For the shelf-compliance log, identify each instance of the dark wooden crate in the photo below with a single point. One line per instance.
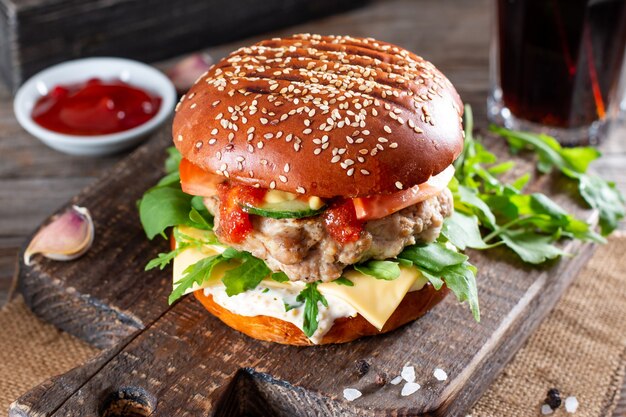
(35, 34)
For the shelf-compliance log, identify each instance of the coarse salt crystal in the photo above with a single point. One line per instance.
(440, 374)
(410, 388)
(408, 374)
(571, 405)
(546, 409)
(351, 394)
(396, 380)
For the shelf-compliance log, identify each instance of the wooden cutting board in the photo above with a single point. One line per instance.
(179, 360)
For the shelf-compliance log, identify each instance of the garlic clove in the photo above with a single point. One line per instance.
(185, 73)
(67, 237)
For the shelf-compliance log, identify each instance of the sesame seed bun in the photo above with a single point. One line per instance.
(322, 115)
(345, 329)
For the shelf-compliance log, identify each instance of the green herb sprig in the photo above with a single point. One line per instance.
(310, 296)
(528, 224)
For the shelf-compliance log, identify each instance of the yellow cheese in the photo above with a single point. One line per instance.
(374, 299)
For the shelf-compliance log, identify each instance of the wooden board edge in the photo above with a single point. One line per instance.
(59, 305)
(47, 397)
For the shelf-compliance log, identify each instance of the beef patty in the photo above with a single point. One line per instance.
(303, 249)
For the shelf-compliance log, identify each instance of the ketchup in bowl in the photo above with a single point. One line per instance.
(95, 108)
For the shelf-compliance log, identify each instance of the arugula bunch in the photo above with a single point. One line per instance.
(528, 224)
(573, 163)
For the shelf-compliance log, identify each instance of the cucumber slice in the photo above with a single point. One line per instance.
(290, 209)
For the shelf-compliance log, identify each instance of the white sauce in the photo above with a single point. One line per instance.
(268, 300)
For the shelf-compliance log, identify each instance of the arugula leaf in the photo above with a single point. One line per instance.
(434, 279)
(280, 276)
(245, 276)
(470, 198)
(462, 231)
(289, 307)
(531, 247)
(440, 264)
(194, 274)
(387, 270)
(163, 207)
(163, 259)
(344, 281)
(170, 180)
(573, 162)
(173, 160)
(433, 257)
(461, 280)
(183, 242)
(604, 197)
(310, 296)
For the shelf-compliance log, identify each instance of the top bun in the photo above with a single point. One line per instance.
(322, 115)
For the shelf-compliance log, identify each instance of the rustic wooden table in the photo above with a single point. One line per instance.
(454, 35)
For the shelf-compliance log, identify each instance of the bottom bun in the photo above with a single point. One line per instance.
(345, 329)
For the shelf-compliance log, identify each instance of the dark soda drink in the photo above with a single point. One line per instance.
(559, 61)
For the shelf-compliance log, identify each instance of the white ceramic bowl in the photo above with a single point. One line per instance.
(81, 70)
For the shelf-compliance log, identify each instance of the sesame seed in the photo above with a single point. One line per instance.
(193, 106)
(273, 185)
(286, 167)
(350, 172)
(300, 190)
(282, 178)
(180, 138)
(365, 172)
(268, 135)
(199, 144)
(335, 159)
(387, 129)
(399, 185)
(212, 141)
(383, 140)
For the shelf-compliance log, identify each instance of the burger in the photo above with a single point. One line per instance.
(308, 188)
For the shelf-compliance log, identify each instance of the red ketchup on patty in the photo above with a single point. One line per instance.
(95, 108)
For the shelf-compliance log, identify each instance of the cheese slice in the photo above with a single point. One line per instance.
(374, 299)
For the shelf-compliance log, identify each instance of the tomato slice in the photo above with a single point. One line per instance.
(196, 181)
(379, 206)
